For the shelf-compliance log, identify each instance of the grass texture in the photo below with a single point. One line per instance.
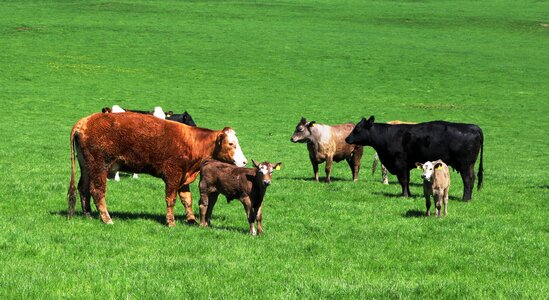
(259, 66)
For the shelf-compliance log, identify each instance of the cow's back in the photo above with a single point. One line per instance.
(339, 133)
(456, 144)
(225, 178)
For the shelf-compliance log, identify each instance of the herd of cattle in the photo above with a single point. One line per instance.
(170, 146)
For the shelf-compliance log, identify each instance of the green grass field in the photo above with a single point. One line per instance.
(259, 66)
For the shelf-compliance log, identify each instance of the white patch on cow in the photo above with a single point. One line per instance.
(427, 171)
(117, 109)
(117, 176)
(159, 113)
(239, 158)
(322, 133)
(264, 169)
(135, 176)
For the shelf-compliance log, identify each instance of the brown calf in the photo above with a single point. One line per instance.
(436, 182)
(327, 144)
(139, 143)
(246, 184)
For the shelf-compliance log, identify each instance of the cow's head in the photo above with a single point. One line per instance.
(227, 148)
(265, 171)
(187, 119)
(361, 133)
(428, 169)
(302, 131)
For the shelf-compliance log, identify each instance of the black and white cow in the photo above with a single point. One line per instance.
(400, 146)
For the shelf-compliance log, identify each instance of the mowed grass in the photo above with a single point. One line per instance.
(259, 66)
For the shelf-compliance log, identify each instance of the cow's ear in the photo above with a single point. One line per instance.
(303, 120)
(169, 113)
(311, 124)
(438, 166)
(220, 138)
(370, 121)
(419, 165)
(278, 166)
(255, 163)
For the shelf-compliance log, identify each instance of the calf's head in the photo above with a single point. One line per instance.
(265, 171)
(428, 169)
(228, 149)
(361, 133)
(302, 131)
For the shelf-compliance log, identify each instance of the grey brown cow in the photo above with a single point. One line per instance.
(436, 183)
(245, 184)
(327, 144)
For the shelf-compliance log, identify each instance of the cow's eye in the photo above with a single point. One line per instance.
(231, 144)
(300, 129)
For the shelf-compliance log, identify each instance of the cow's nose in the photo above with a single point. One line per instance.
(423, 176)
(266, 182)
(245, 162)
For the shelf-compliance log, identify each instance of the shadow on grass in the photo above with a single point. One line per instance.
(124, 215)
(399, 195)
(320, 179)
(414, 213)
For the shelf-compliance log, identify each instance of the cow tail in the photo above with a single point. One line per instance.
(480, 168)
(71, 194)
(374, 164)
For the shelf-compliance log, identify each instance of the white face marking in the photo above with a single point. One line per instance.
(117, 109)
(239, 158)
(427, 171)
(264, 169)
(159, 113)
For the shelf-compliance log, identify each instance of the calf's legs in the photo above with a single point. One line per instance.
(207, 202)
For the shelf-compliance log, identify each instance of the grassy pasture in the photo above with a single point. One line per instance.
(259, 66)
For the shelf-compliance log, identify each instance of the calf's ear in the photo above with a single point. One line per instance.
(311, 124)
(438, 166)
(278, 166)
(255, 163)
(419, 165)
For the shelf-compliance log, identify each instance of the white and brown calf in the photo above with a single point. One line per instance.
(436, 182)
(246, 184)
(327, 144)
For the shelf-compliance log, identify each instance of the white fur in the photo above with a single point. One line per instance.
(159, 113)
(428, 171)
(239, 158)
(264, 169)
(117, 109)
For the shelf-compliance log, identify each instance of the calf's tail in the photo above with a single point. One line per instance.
(71, 194)
(480, 168)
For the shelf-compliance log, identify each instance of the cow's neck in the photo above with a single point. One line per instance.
(378, 137)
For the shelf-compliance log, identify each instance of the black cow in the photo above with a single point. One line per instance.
(400, 146)
(184, 118)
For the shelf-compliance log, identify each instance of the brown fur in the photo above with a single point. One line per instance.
(327, 144)
(246, 184)
(139, 143)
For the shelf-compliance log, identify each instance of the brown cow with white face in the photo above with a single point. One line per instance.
(327, 144)
(246, 184)
(139, 143)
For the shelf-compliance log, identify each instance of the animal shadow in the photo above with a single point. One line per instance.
(320, 179)
(414, 213)
(389, 195)
(124, 215)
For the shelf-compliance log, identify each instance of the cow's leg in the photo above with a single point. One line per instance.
(203, 205)
(404, 179)
(206, 211)
(427, 194)
(259, 219)
(98, 188)
(354, 162)
(328, 168)
(84, 191)
(446, 202)
(384, 174)
(187, 200)
(250, 213)
(468, 177)
(315, 167)
(438, 202)
(171, 197)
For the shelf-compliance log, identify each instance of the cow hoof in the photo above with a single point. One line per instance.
(172, 224)
(191, 221)
(109, 222)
